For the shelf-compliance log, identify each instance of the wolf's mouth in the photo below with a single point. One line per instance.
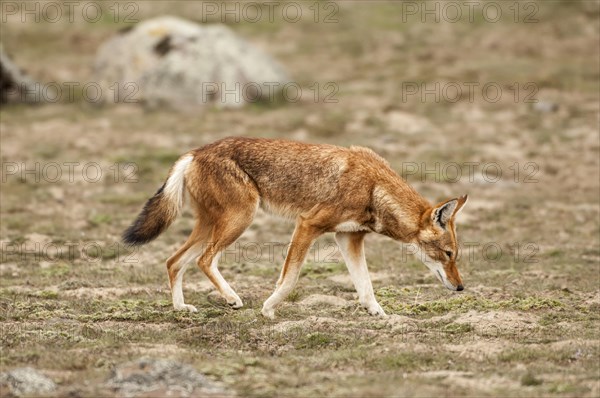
(445, 282)
(440, 275)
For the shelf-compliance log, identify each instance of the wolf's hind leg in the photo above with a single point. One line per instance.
(304, 236)
(226, 230)
(178, 263)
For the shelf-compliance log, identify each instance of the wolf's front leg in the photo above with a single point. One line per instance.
(351, 245)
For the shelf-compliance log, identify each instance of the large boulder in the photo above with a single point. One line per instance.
(174, 62)
(17, 86)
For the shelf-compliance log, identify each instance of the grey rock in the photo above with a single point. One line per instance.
(157, 377)
(545, 106)
(174, 62)
(25, 381)
(16, 86)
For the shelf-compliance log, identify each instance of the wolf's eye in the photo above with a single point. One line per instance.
(449, 254)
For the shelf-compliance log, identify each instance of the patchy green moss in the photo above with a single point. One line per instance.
(558, 356)
(294, 296)
(319, 340)
(321, 270)
(410, 361)
(99, 219)
(395, 300)
(46, 294)
(56, 270)
(529, 379)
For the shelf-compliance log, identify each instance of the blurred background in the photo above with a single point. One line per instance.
(499, 100)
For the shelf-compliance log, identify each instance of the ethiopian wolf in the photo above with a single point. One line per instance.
(324, 188)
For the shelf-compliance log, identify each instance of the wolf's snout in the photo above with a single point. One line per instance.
(460, 288)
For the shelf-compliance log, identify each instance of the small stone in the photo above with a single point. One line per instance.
(545, 107)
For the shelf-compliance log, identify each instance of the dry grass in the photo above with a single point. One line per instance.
(527, 323)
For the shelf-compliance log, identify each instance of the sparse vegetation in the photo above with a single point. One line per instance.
(75, 302)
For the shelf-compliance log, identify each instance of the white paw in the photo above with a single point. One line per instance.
(186, 307)
(375, 309)
(268, 313)
(234, 302)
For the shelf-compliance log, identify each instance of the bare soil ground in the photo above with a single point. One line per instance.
(74, 302)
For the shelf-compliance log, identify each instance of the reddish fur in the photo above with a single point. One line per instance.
(320, 186)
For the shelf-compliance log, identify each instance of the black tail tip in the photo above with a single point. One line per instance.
(132, 237)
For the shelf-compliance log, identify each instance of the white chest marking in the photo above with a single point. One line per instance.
(350, 226)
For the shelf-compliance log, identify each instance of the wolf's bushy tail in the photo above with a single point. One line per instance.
(161, 209)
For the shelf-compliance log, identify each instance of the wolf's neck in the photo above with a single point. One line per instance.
(399, 209)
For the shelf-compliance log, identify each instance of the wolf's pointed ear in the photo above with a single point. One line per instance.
(461, 202)
(443, 212)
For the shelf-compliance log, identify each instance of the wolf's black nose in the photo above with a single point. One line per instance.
(460, 288)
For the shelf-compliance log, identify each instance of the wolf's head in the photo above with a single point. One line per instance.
(437, 242)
